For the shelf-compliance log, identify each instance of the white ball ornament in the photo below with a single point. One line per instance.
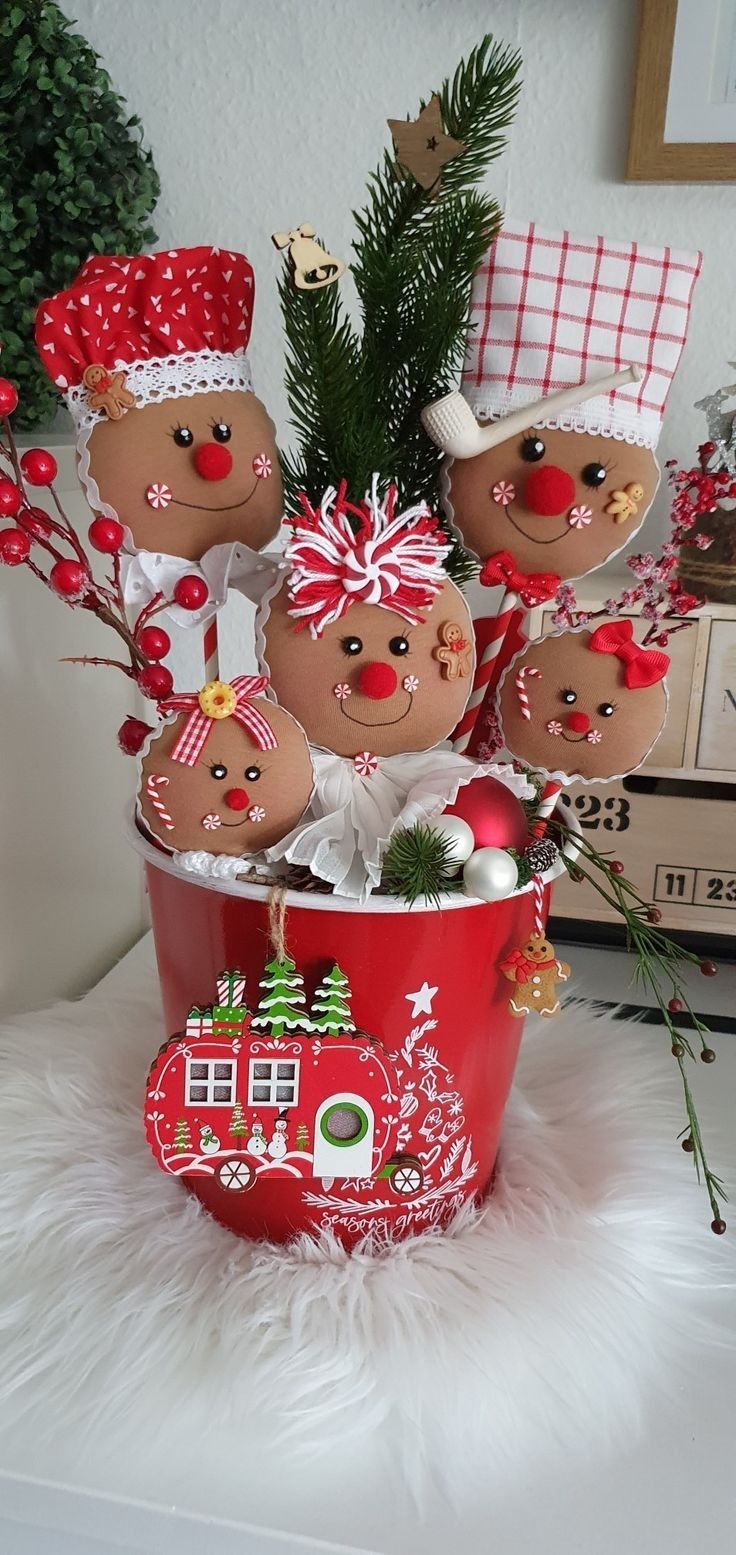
(491, 874)
(458, 836)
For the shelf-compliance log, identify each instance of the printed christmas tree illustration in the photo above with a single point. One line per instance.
(238, 1125)
(281, 1007)
(331, 1005)
(182, 1137)
(302, 1137)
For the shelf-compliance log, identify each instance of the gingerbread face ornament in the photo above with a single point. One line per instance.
(584, 705)
(572, 348)
(227, 773)
(367, 642)
(149, 353)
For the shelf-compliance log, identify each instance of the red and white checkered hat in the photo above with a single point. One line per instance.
(550, 310)
(176, 323)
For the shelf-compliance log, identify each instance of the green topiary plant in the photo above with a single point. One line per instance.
(74, 179)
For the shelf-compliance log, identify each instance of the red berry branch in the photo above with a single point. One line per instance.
(50, 547)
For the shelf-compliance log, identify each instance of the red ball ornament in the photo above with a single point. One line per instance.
(8, 397)
(11, 499)
(153, 641)
(39, 467)
(35, 522)
(191, 592)
(155, 681)
(69, 580)
(131, 735)
(14, 547)
(106, 535)
(494, 815)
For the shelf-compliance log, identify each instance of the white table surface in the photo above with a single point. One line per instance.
(672, 1491)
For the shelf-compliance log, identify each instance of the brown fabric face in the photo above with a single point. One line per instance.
(128, 456)
(320, 680)
(541, 543)
(548, 741)
(281, 788)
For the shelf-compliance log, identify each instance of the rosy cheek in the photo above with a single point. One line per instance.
(503, 493)
(262, 467)
(410, 683)
(342, 690)
(554, 727)
(594, 736)
(256, 813)
(211, 821)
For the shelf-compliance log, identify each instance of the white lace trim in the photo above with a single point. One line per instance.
(622, 421)
(168, 377)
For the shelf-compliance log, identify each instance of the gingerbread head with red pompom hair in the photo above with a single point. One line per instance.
(227, 772)
(584, 705)
(366, 640)
(572, 348)
(149, 353)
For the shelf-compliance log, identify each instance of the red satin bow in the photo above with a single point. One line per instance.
(642, 666)
(522, 967)
(533, 588)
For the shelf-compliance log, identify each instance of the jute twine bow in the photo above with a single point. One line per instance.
(277, 921)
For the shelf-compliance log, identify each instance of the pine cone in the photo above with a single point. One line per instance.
(540, 855)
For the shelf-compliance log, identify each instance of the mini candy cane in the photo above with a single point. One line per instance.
(538, 896)
(155, 781)
(526, 669)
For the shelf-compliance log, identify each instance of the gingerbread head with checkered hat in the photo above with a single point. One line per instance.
(572, 348)
(149, 354)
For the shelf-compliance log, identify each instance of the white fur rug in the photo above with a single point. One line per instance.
(553, 1314)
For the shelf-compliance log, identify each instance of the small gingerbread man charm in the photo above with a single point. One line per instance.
(106, 391)
(535, 972)
(454, 653)
(625, 504)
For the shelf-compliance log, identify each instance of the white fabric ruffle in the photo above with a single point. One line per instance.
(351, 816)
(234, 565)
(222, 866)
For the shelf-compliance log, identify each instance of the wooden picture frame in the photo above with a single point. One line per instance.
(652, 159)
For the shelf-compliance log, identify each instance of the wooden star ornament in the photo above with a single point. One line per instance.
(421, 145)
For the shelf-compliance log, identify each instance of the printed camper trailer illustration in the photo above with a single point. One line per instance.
(278, 1093)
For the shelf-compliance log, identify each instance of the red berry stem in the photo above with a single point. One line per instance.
(154, 607)
(115, 664)
(72, 536)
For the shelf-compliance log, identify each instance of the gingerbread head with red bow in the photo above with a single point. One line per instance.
(227, 772)
(584, 705)
(572, 347)
(365, 639)
(150, 356)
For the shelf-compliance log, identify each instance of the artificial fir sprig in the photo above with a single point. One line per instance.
(355, 397)
(658, 967)
(418, 863)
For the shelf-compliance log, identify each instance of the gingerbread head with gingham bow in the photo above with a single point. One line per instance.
(572, 347)
(582, 704)
(354, 632)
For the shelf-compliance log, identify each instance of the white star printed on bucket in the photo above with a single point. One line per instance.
(579, 517)
(365, 763)
(421, 1000)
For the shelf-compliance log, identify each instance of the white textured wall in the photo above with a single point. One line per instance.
(261, 114)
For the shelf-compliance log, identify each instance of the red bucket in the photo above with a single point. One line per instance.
(424, 981)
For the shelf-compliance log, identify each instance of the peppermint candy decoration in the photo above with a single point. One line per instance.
(365, 763)
(158, 495)
(594, 736)
(211, 822)
(410, 683)
(553, 727)
(262, 467)
(579, 517)
(342, 690)
(503, 492)
(256, 813)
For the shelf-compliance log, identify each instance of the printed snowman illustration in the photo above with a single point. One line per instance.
(357, 635)
(278, 1144)
(226, 773)
(257, 1143)
(573, 345)
(150, 355)
(209, 1144)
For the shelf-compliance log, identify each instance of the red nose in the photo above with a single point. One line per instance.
(377, 681)
(548, 491)
(213, 462)
(236, 799)
(578, 722)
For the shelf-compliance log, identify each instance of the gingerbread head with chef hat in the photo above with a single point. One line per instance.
(572, 348)
(150, 356)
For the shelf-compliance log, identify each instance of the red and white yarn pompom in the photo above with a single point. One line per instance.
(395, 560)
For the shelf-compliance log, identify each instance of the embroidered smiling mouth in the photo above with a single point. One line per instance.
(533, 538)
(201, 507)
(383, 723)
(572, 740)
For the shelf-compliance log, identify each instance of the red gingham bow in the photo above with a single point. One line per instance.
(642, 666)
(198, 727)
(533, 588)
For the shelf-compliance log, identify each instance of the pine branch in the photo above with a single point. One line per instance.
(418, 862)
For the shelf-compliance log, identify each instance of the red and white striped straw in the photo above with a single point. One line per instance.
(491, 663)
(545, 807)
(211, 650)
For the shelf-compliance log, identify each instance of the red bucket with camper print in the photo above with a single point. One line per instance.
(357, 1082)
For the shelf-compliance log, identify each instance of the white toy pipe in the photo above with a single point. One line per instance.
(452, 426)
